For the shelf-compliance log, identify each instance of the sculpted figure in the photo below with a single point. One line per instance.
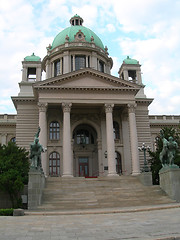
(172, 147)
(167, 154)
(163, 156)
(35, 152)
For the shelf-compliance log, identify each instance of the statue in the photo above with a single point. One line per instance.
(163, 156)
(35, 152)
(167, 154)
(172, 147)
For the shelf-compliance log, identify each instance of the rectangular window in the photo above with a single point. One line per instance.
(56, 68)
(80, 62)
(31, 74)
(101, 66)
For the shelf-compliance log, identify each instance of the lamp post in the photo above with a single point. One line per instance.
(144, 148)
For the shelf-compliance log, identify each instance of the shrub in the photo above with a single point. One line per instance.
(6, 212)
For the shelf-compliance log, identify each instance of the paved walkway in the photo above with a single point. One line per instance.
(150, 224)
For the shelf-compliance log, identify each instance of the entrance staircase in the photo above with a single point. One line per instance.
(97, 193)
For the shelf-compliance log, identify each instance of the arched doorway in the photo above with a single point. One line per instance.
(118, 163)
(85, 157)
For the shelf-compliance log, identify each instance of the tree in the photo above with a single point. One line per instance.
(155, 161)
(14, 167)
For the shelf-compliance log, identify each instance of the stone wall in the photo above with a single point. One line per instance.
(170, 182)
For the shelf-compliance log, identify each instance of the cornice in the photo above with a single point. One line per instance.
(23, 99)
(86, 72)
(122, 89)
(147, 101)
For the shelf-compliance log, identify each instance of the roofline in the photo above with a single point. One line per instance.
(83, 72)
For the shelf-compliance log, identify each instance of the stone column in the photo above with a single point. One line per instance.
(73, 63)
(126, 76)
(133, 140)
(24, 74)
(66, 62)
(100, 163)
(110, 140)
(47, 69)
(52, 73)
(43, 134)
(86, 61)
(61, 65)
(38, 73)
(67, 152)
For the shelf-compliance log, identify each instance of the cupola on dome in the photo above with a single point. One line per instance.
(129, 60)
(76, 29)
(32, 58)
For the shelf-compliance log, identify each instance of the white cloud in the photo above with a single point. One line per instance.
(148, 31)
(110, 27)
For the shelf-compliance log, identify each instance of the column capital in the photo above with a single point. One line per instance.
(66, 107)
(42, 106)
(109, 107)
(132, 107)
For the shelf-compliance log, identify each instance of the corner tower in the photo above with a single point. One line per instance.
(31, 73)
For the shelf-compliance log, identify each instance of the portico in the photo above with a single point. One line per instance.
(86, 133)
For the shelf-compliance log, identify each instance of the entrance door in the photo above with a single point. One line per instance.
(83, 167)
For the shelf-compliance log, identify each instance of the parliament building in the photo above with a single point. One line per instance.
(92, 123)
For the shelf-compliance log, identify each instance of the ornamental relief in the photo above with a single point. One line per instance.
(132, 108)
(79, 37)
(66, 107)
(42, 106)
(109, 108)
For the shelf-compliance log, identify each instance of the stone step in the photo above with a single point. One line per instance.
(82, 193)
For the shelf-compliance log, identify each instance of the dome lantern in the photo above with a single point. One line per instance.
(76, 20)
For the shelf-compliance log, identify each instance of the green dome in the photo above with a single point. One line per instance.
(129, 60)
(32, 58)
(72, 31)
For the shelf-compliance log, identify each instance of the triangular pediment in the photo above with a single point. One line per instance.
(86, 79)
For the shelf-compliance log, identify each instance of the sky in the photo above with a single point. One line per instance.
(145, 30)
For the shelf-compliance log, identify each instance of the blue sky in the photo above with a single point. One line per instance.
(147, 30)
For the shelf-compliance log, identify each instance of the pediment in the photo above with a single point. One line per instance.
(86, 79)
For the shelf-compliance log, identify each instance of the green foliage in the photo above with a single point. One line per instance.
(155, 161)
(14, 167)
(6, 212)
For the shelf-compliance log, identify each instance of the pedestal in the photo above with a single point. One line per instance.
(170, 181)
(146, 178)
(36, 185)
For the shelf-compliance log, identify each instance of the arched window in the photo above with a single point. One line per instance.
(84, 135)
(54, 164)
(13, 139)
(54, 130)
(118, 163)
(116, 130)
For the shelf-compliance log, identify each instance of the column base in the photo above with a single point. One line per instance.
(135, 173)
(113, 175)
(67, 175)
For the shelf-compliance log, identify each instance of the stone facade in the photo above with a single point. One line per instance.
(91, 122)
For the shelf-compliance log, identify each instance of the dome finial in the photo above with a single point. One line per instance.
(76, 20)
